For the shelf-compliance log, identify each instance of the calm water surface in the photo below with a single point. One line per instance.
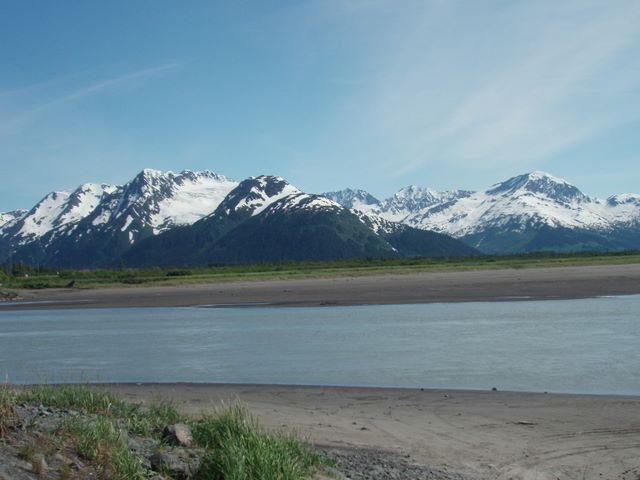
(582, 346)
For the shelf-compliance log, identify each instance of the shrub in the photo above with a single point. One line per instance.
(178, 273)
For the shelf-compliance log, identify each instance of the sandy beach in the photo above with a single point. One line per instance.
(484, 435)
(474, 285)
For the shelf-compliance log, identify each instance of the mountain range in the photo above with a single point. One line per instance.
(531, 212)
(203, 218)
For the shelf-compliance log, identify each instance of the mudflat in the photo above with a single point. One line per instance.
(472, 285)
(492, 435)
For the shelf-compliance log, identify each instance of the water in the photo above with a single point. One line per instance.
(578, 346)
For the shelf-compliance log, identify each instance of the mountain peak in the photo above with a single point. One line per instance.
(624, 199)
(151, 173)
(255, 194)
(543, 174)
(540, 184)
(353, 198)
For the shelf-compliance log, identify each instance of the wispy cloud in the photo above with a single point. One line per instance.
(484, 85)
(19, 119)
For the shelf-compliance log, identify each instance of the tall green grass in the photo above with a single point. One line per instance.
(103, 442)
(152, 419)
(238, 448)
(76, 397)
(99, 400)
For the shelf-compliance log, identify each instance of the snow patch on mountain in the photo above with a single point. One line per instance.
(302, 201)
(192, 196)
(378, 224)
(7, 218)
(258, 205)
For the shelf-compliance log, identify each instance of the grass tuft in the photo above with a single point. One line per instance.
(238, 448)
(8, 414)
(102, 442)
(75, 397)
(154, 418)
(96, 400)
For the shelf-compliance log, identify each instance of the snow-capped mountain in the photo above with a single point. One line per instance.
(253, 195)
(356, 199)
(412, 199)
(525, 213)
(108, 219)
(158, 201)
(623, 209)
(267, 219)
(56, 211)
(204, 217)
(521, 202)
(403, 203)
(153, 199)
(529, 203)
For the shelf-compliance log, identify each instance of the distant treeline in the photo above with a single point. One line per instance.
(22, 275)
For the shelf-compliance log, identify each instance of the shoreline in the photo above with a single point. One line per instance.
(478, 434)
(303, 386)
(407, 434)
(546, 283)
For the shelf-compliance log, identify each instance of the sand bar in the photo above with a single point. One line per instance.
(486, 435)
(474, 285)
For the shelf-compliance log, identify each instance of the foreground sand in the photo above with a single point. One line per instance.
(492, 435)
(475, 285)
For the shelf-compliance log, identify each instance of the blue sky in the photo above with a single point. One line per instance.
(374, 94)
